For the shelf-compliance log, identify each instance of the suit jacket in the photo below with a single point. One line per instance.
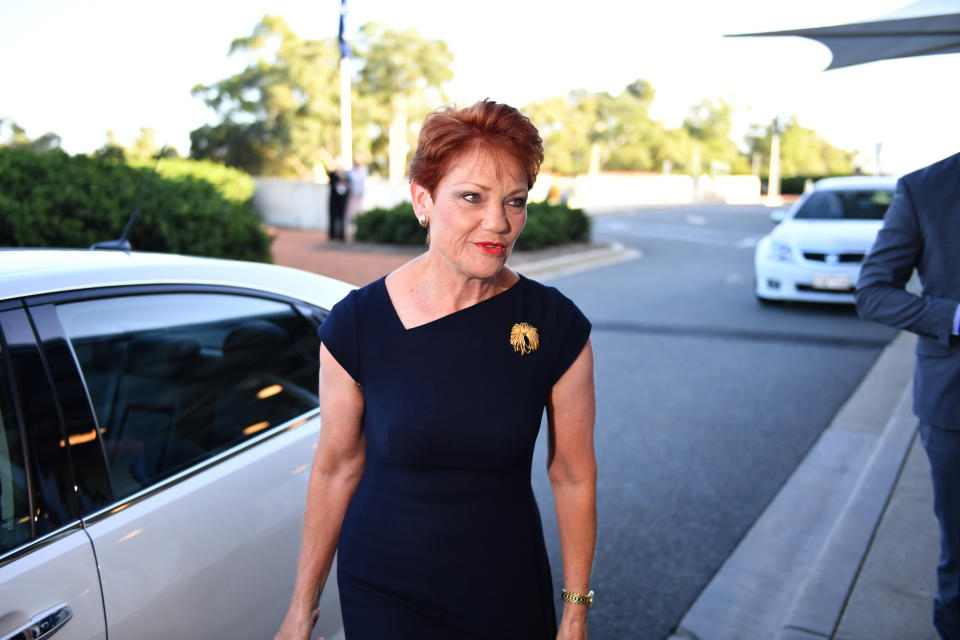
(921, 230)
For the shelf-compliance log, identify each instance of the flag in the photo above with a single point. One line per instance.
(344, 45)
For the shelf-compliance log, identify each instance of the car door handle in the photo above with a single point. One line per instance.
(43, 625)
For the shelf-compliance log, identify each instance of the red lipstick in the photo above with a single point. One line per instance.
(493, 248)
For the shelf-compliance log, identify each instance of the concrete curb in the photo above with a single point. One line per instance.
(791, 575)
(576, 262)
(822, 598)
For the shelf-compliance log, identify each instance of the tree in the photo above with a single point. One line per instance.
(17, 138)
(802, 151)
(564, 123)
(637, 141)
(710, 124)
(281, 115)
(586, 132)
(401, 76)
(278, 113)
(144, 148)
(621, 134)
(239, 145)
(111, 149)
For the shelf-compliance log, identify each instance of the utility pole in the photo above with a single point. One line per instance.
(773, 179)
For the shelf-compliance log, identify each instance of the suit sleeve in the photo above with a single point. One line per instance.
(881, 288)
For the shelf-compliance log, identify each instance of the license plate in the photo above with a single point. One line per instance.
(831, 282)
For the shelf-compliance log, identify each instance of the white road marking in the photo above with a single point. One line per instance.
(678, 232)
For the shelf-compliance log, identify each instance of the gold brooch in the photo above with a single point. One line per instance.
(524, 338)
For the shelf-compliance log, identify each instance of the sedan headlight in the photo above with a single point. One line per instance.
(780, 252)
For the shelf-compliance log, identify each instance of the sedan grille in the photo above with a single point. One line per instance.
(811, 289)
(834, 258)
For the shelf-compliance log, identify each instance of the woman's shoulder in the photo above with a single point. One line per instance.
(547, 296)
(563, 325)
(362, 297)
(359, 306)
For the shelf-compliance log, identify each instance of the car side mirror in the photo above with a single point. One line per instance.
(778, 215)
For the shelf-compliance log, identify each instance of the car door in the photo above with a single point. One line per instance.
(206, 410)
(48, 572)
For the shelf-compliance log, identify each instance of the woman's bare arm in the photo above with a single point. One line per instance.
(337, 467)
(572, 468)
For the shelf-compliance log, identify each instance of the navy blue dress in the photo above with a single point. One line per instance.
(442, 539)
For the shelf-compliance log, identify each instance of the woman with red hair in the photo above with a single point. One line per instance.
(434, 380)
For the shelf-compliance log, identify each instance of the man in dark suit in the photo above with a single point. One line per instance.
(921, 230)
(337, 204)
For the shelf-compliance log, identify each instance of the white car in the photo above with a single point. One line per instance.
(814, 254)
(158, 417)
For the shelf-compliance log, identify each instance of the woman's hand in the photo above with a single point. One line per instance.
(573, 624)
(297, 625)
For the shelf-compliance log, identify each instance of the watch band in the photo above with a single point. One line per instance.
(577, 598)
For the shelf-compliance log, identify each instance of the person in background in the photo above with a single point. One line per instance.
(921, 230)
(434, 380)
(357, 187)
(339, 191)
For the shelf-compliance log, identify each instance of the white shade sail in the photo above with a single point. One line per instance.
(923, 28)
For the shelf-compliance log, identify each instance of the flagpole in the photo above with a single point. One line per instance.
(346, 128)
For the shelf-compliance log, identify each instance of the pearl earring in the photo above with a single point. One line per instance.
(422, 219)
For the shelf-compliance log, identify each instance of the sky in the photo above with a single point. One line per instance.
(79, 68)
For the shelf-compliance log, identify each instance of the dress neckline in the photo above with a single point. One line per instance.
(396, 316)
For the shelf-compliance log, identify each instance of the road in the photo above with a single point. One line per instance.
(707, 401)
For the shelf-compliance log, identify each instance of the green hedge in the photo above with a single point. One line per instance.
(390, 226)
(57, 200)
(547, 225)
(232, 184)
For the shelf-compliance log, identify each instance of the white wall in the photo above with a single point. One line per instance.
(735, 189)
(303, 204)
(618, 190)
(298, 204)
(623, 190)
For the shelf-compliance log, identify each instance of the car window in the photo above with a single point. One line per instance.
(14, 495)
(175, 378)
(862, 204)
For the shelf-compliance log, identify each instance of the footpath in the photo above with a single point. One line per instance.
(847, 549)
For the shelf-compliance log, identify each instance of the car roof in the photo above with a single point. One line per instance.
(26, 272)
(844, 183)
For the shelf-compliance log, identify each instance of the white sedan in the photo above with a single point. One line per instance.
(158, 417)
(814, 254)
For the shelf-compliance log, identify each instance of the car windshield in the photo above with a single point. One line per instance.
(860, 204)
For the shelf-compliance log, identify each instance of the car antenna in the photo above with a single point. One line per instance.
(123, 242)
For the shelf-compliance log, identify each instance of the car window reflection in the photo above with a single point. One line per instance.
(14, 494)
(176, 378)
(864, 204)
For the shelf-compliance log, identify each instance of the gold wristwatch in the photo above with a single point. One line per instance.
(577, 598)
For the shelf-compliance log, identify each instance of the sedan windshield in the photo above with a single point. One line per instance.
(865, 204)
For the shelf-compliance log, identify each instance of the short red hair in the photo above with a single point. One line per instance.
(490, 127)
